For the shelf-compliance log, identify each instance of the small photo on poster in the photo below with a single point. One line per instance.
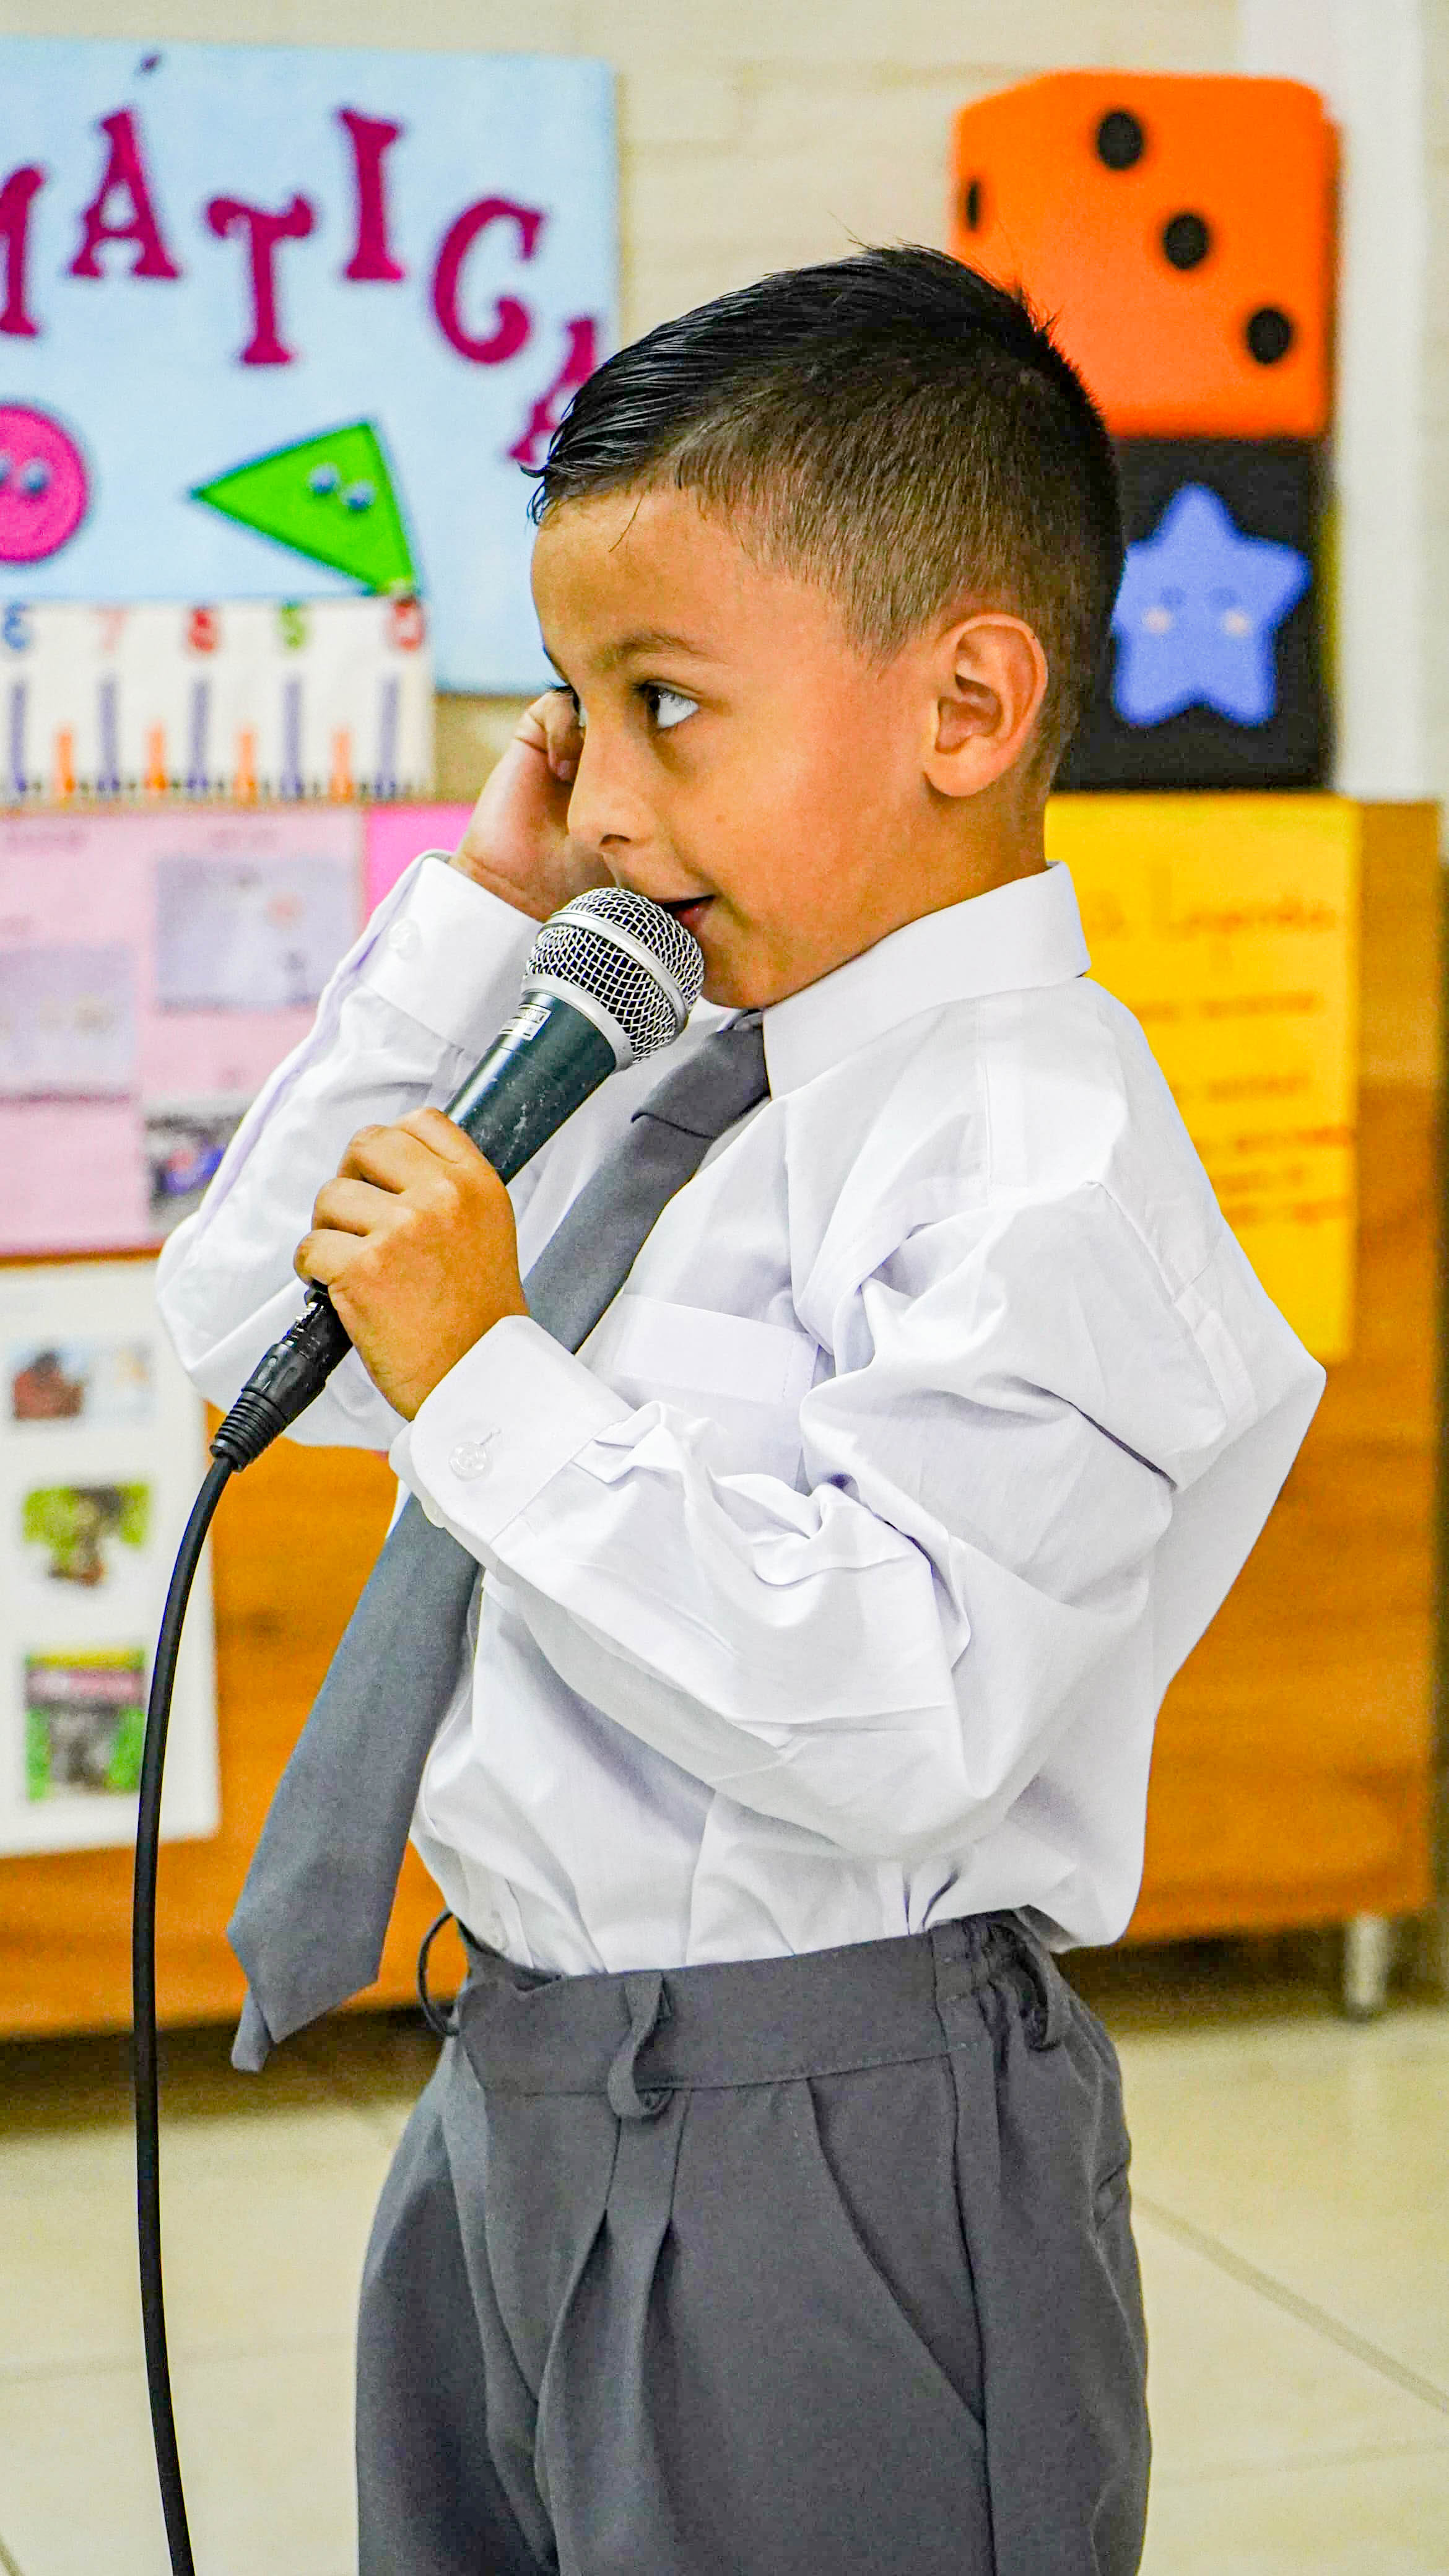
(85, 1722)
(67, 1021)
(250, 935)
(79, 1535)
(102, 1384)
(185, 1141)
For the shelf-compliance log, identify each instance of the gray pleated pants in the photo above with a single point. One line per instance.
(803, 2267)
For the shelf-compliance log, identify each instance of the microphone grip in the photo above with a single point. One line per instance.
(536, 1074)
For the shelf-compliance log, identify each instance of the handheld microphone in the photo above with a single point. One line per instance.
(610, 979)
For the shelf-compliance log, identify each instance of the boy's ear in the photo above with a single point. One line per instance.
(990, 677)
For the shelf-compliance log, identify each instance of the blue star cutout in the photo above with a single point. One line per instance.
(1197, 612)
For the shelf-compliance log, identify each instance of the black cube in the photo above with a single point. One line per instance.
(1213, 675)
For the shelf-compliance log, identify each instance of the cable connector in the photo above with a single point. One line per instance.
(282, 1385)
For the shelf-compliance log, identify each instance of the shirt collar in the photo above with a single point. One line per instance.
(1015, 939)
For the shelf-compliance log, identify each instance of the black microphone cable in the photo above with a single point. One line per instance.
(610, 978)
(143, 2017)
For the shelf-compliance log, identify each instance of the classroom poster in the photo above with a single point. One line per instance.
(248, 699)
(102, 1448)
(154, 968)
(1229, 926)
(286, 321)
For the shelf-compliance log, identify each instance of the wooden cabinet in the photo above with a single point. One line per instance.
(1292, 1780)
(291, 1546)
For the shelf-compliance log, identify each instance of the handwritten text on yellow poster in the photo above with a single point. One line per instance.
(1229, 926)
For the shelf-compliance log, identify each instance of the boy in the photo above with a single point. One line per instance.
(768, 2213)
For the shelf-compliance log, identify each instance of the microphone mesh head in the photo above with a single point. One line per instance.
(627, 954)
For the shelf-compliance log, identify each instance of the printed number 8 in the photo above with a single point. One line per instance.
(203, 633)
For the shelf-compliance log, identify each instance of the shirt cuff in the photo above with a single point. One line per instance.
(498, 1428)
(452, 955)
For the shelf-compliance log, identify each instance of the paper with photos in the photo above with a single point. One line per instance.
(101, 1451)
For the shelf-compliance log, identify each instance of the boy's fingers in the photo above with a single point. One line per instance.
(392, 1158)
(352, 1207)
(531, 729)
(436, 1133)
(563, 734)
(405, 1156)
(551, 726)
(324, 1255)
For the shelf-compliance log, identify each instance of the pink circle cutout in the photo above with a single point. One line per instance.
(43, 485)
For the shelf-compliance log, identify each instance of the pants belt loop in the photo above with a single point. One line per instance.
(442, 2019)
(1053, 1992)
(648, 2006)
(955, 1954)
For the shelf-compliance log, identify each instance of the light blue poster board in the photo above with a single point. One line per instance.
(211, 252)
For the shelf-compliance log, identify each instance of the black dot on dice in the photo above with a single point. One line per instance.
(1269, 335)
(971, 205)
(1186, 240)
(1120, 139)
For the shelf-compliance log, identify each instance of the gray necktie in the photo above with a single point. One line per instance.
(313, 1914)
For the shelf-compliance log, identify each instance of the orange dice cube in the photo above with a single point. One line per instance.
(1179, 230)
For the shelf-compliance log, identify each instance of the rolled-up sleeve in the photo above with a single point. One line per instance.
(425, 989)
(887, 1656)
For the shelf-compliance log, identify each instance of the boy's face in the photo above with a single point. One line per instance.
(742, 763)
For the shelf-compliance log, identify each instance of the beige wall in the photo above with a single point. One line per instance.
(1435, 418)
(755, 134)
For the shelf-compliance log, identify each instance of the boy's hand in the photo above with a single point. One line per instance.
(517, 842)
(415, 1241)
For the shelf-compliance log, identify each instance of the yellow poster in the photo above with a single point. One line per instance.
(1229, 926)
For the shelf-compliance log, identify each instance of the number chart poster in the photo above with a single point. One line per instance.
(280, 321)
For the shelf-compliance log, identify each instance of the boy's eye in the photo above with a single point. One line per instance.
(667, 707)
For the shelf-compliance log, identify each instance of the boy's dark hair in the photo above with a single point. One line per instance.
(892, 426)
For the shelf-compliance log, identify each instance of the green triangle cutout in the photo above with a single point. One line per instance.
(332, 498)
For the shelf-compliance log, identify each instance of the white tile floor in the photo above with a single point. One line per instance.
(1292, 2208)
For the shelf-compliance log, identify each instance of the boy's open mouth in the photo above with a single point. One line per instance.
(690, 909)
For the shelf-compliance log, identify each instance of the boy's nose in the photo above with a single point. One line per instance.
(606, 810)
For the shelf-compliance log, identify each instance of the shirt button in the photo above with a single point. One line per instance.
(491, 1930)
(405, 939)
(469, 1459)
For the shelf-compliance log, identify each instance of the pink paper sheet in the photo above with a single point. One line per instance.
(74, 1176)
(75, 1169)
(397, 833)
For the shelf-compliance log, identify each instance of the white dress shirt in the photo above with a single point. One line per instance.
(832, 1589)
